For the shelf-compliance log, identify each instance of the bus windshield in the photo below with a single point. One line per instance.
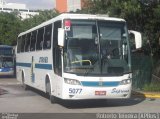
(6, 62)
(97, 47)
(6, 56)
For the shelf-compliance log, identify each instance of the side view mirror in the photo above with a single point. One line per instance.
(61, 36)
(137, 39)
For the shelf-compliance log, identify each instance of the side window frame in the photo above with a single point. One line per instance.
(23, 43)
(47, 37)
(27, 42)
(39, 45)
(33, 44)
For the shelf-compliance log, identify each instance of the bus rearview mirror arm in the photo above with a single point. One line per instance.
(61, 36)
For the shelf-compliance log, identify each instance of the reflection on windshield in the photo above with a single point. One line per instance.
(6, 62)
(96, 48)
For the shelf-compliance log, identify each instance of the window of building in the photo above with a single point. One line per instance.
(31, 10)
(47, 37)
(33, 40)
(15, 10)
(23, 10)
(39, 43)
(9, 9)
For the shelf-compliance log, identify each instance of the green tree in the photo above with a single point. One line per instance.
(11, 24)
(141, 15)
(38, 19)
(9, 28)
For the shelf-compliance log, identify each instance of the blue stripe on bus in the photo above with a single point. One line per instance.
(38, 66)
(23, 64)
(97, 83)
(44, 66)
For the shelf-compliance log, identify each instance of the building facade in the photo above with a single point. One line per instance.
(68, 5)
(21, 8)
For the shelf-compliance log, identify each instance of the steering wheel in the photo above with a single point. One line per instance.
(115, 51)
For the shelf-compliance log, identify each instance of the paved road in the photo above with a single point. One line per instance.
(15, 99)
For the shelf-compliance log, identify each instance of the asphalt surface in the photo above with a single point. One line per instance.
(14, 99)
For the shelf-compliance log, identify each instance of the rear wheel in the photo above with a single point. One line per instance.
(48, 90)
(26, 87)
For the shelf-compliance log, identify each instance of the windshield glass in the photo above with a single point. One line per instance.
(7, 51)
(6, 62)
(96, 47)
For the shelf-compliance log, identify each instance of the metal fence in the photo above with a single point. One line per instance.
(142, 70)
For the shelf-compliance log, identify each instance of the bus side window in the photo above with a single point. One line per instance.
(56, 50)
(47, 37)
(33, 41)
(19, 42)
(23, 43)
(39, 43)
(27, 42)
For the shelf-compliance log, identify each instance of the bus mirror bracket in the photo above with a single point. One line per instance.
(61, 34)
(137, 39)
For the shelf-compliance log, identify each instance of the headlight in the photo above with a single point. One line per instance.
(72, 81)
(126, 81)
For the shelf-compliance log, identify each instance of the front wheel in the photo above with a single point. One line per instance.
(48, 90)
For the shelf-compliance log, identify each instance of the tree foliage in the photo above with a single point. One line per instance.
(11, 24)
(38, 19)
(141, 15)
(9, 28)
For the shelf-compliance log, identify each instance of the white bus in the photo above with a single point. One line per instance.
(77, 56)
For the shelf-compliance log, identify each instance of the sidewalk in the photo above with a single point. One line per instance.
(146, 94)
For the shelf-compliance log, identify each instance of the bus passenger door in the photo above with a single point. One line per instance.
(57, 62)
(57, 80)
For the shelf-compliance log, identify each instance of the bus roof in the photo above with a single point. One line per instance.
(73, 16)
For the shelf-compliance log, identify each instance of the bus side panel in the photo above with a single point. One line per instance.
(35, 66)
(42, 66)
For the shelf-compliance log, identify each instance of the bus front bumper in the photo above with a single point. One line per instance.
(9, 73)
(80, 92)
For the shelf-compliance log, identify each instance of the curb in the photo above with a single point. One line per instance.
(146, 94)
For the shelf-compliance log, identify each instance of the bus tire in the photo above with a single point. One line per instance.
(25, 87)
(48, 90)
(52, 99)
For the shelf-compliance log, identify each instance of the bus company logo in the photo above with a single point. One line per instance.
(119, 91)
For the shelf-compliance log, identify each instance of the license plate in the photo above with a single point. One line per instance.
(100, 92)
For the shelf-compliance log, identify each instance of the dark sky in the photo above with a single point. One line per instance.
(35, 4)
